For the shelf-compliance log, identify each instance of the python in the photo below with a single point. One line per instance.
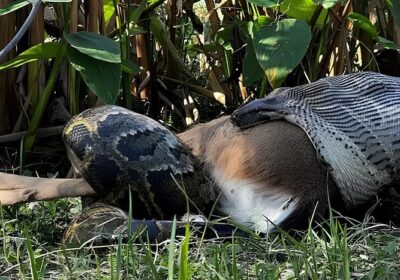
(260, 174)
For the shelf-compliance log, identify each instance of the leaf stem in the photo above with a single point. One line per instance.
(30, 136)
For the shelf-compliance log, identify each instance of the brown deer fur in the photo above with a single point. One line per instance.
(274, 158)
(277, 157)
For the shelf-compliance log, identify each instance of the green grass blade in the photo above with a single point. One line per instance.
(184, 262)
(171, 249)
(31, 253)
(149, 260)
(111, 266)
(235, 275)
(118, 261)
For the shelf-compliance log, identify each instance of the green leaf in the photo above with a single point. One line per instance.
(102, 77)
(224, 37)
(364, 23)
(264, 3)
(387, 44)
(252, 71)
(137, 13)
(40, 51)
(130, 67)
(108, 10)
(280, 46)
(394, 6)
(302, 9)
(95, 45)
(328, 3)
(13, 6)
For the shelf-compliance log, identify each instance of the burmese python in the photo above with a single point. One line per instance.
(352, 118)
(119, 153)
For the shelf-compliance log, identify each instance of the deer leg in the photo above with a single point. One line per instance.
(16, 189)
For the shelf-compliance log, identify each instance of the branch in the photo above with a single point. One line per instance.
(41, 133)
(16, 189)
(35, 8)
(214, 95)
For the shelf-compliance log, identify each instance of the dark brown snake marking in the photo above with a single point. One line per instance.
(117, 150)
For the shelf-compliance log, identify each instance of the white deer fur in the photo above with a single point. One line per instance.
(250, 204)
(268, 174)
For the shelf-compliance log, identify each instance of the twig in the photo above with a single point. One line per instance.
(35, 8)
(41, 133)
(214, 95)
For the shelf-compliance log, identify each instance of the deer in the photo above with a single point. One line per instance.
(269, 173)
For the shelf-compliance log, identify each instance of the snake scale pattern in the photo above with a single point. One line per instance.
(118, 151)
(352, 120)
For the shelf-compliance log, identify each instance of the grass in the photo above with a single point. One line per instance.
(30, 249)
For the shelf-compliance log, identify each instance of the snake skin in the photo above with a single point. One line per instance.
(353, 122)
(103, 224)
(117, 151)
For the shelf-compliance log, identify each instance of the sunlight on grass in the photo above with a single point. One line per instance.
(336, 250)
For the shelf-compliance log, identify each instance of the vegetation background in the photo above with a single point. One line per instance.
(180, 62)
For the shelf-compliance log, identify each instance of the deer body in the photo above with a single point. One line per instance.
(268, 174)
(273, 166)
